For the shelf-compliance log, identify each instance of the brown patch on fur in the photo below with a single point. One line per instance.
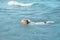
(25, 21)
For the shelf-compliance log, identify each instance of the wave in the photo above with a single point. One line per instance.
(11, 3)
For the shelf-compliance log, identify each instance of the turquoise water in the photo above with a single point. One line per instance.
(41, 10)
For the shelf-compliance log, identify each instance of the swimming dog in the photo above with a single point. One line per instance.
(26, 21)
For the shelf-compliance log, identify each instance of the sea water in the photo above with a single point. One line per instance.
(11, 27)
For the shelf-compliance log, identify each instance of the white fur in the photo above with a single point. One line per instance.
(43, 23)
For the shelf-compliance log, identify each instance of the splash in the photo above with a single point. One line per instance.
(12, 3)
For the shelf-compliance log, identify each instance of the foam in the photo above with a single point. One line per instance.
(11, 3)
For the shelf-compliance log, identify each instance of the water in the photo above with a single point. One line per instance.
(41, 10)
